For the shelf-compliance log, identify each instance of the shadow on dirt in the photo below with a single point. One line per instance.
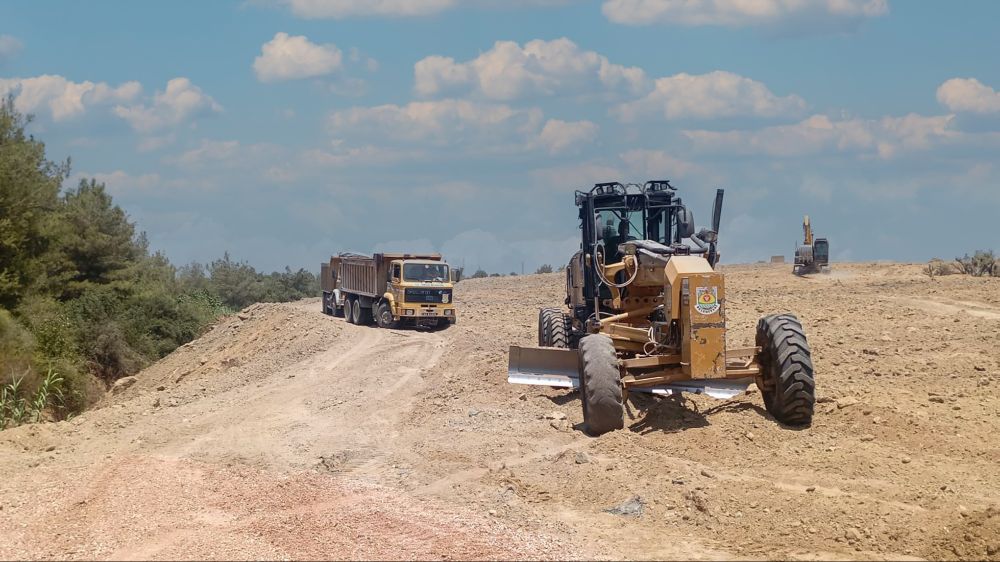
(563, 399)
(668, 415)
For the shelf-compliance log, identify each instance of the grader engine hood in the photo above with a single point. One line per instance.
(701, 312)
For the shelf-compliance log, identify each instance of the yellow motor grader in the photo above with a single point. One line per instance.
(646, 312)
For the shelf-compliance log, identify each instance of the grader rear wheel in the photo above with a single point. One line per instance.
(600, 385)
(786, 378)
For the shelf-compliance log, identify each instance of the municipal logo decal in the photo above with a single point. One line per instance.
(707, 300)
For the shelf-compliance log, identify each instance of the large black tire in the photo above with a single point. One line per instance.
(349, 310)
(362, 315)
(383, 315)
(600, 385)
(543, 339)
(786, 370)
(553, 328)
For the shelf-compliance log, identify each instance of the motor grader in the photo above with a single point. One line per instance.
(646, 312)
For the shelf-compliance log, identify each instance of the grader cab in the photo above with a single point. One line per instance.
(646, 312)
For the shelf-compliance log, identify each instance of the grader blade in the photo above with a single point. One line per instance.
(544, 366)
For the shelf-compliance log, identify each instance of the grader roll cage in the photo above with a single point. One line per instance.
(646, 312)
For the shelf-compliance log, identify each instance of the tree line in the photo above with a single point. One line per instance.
(83, 299)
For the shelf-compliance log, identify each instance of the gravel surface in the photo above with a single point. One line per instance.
(283, 433)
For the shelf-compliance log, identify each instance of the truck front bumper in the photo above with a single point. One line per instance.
(417, 311)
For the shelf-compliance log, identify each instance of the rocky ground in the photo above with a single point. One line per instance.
(286, 433)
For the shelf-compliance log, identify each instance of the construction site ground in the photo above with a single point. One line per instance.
(284, 433)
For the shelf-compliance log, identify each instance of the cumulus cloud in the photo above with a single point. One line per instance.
(743, 13)
(180, 102)
(61, 98)
(290, 57)
(707, 96)
(9, 47)
(448, 121)
(968, 94)
(509, 71)
(562, 136)
(819, 134)
(467, 125)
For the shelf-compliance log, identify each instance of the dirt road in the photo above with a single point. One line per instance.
(286, 433)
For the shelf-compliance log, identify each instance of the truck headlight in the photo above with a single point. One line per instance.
(408, 311)
(449, 312)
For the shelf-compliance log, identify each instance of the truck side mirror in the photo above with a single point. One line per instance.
(685, 222)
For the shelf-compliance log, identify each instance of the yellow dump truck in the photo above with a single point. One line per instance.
(389, 289)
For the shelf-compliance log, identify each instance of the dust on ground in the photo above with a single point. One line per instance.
(286, 433)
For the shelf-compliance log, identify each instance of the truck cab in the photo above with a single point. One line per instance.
(420, 289)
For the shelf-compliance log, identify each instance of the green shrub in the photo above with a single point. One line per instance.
(19, 405)
(16, 348)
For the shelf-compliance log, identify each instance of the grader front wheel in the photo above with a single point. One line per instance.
(553, 328)
(600, 385)
(786, 377)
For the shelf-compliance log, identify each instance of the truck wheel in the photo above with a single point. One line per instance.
(786, 370)
(349, 309)
(553, 328)
(383, 316)
(600, 385)
(362, 315)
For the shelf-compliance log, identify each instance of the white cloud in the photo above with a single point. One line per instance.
(468, 126)
(742, 13)
(290, 57)
(562, 136)
(222, 156)
(180, 102)
(884, 137)
(62, 98)
(9, 47)
(440, 122)
(968, 94)
(707, 96)
(509, 71)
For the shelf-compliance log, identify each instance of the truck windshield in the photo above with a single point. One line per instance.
(425, 272)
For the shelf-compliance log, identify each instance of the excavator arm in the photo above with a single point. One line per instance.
(807, 229)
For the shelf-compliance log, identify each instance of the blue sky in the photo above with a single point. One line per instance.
(284, 131)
